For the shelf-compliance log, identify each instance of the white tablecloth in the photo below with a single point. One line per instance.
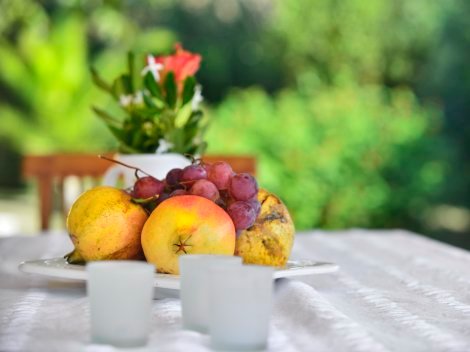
(395, 291)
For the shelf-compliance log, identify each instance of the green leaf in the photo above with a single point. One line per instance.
(171, 90)
(188, 89)
(195, 117)
(152, 86)
(183, 115)
(137, 139)
(149, 102)
(122, 86)
(131, 68)
(194, 121)
(113, 125)
(144, 200)
(126, 83)
(99, 82)
(105, 116)
(117, 132)
(176, 137)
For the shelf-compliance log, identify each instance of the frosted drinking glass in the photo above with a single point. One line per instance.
(195, 287)
(120, 294)
(240, 307)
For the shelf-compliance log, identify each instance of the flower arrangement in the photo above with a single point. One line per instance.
(160, 102)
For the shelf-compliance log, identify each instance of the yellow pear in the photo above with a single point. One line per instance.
(104, 224)
(269, 241)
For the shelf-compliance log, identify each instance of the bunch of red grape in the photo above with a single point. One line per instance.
(235, 193)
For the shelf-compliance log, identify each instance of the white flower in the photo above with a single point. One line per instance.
(197, 97)
(163, 146)
(153, 67)
(125, 100)
(138, 98)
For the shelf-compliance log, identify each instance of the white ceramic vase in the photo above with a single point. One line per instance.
(156, 165)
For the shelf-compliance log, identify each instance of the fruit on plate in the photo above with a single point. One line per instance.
(269, 241)
(234, 192)
(186, 224)
(201, 209)
(104, 223)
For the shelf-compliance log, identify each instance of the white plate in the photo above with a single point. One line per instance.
(59, 268)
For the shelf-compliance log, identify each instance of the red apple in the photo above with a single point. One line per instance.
(186, 224)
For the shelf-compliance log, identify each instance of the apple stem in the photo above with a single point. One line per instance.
(137, 170)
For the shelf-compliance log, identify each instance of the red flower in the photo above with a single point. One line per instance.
(183, 64)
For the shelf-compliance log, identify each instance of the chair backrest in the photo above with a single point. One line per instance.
(50, 172)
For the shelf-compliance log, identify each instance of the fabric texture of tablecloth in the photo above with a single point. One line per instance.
(395, 291)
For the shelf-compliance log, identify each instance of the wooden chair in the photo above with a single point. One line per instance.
(50, 171)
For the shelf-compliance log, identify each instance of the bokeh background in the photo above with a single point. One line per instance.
(357, 110)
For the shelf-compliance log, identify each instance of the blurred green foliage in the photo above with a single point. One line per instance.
(340, 157)
(357, 110)
(45, 56)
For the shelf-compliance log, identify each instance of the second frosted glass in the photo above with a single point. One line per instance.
(240, 307)
(195, 287)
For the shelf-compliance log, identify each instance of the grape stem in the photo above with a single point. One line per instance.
(125, 165)
(194, 160)
(191, 157)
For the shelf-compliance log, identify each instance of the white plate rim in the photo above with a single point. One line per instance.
(59, 268)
